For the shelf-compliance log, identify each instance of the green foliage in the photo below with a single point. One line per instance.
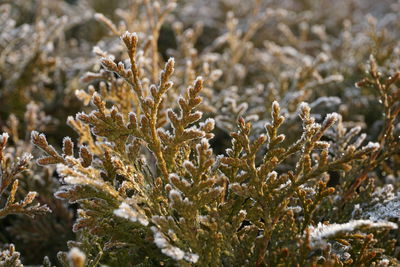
(212, 157)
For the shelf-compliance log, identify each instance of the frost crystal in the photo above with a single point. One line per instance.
(170, 250)
(321, 231)
(295, 209)
(384, 211)
(175, 195)
(127, 212)
(284, 185)
(4, 136)
(371, 146)
(304, 106)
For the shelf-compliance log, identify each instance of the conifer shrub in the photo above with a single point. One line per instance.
(200, 133)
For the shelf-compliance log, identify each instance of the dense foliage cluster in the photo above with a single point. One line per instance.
(207, 133)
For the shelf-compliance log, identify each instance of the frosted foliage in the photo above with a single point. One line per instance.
(170, 250)
(384, 211)
(209, 133)
(127, 212)
(322, 232)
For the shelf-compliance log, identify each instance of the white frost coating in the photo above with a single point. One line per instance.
(346, 256)
(186, 183)
(233, 185)
(175, 194)
(359, 140)
(216, 74)
(322, 231)
(288, 182)
(272, 174)
(323, 57)
(209, 121)
(173, 252)
(356, 211)
(129, 35)
(198, 79)
(280, 12)
(229, 100)
(384, 263)
(165, 132)
(187, 164)
(127, 212)
(26, 156)
(295, 209)
(171, 5)
(332, 116)
(371, 145)
(323, 144)
(61, 168)
(275, 104)
(203, 143)
(384, 211)
(307, 60)
(191, 257)
(383, 194)
(159, 240)
(203, 219)
(99, 16)
(81, 180)
(174, 176)
(170, 250)
(97, 50)
(4, 136)
(309, 190)
(334, 78)
(304, 107)
(242, 213)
